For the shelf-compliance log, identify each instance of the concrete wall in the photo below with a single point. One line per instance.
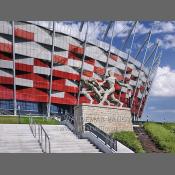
(108, 119)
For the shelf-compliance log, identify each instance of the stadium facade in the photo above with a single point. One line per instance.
(38, 68)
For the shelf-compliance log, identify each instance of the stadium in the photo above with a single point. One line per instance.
(41, 69)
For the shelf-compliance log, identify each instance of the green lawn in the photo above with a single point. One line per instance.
(162, 135)
(170, 126)
(25, 120)
(129, 139)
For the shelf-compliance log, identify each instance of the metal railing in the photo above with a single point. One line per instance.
(112, 143)
(43, 138)
(32, 124)
(68, 117)
(6, 112)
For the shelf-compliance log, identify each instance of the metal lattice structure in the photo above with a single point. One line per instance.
(41, 68)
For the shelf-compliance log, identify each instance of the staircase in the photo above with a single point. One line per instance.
(15, 138)
(64, 141)
(18, 138)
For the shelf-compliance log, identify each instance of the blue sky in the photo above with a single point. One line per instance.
(161, 102)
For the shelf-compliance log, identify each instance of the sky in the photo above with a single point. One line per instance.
(160, 105)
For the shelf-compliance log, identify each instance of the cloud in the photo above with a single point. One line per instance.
(164, 82)
(167, 42)
(163, 27)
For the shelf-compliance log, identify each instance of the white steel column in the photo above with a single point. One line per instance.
(109, 51)
(82, 65)
(14, 68)
(51, 71)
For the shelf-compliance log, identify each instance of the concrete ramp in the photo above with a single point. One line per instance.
(17, 138)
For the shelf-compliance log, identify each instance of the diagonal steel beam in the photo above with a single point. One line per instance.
(128, 56)
(139, 51)
(158, 63)
(81, 26)
(152, 53)
(107, 30)
(141, 66)
(155, 59)
(129, 34)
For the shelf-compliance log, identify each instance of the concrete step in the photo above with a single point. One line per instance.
(64, 141)
(15, 138)
(19, 139)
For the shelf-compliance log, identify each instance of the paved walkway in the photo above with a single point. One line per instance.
(123, 149)
(148, 145)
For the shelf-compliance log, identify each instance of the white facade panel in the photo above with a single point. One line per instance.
(42, 70)
(24, 82)
(65, 68)
(70, 83)
(5, 27)
(58, 94)
(28, 61)
(6, 64)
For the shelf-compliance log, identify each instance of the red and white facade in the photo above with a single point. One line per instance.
(33, 54)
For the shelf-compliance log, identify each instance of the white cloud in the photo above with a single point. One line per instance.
(164, 82)
(163, 26)
(165, 29)
(141, 29)
(167, 42)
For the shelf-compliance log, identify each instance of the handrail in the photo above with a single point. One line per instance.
(102, 135)
(69, 118)
(32, 125)
(5, 112)
(45, 145)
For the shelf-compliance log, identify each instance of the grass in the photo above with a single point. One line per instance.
(162, 135)
(170, 126)
(25, 120)
(129, 139)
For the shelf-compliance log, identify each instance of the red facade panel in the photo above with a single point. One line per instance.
(6, 80)
(24, 67)
(38, 62)
(99, 70)
(76, 49)
(6, 93)
(4, 57)
(4, 47)
(66, 75)
(60, 59)
(24, 34)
